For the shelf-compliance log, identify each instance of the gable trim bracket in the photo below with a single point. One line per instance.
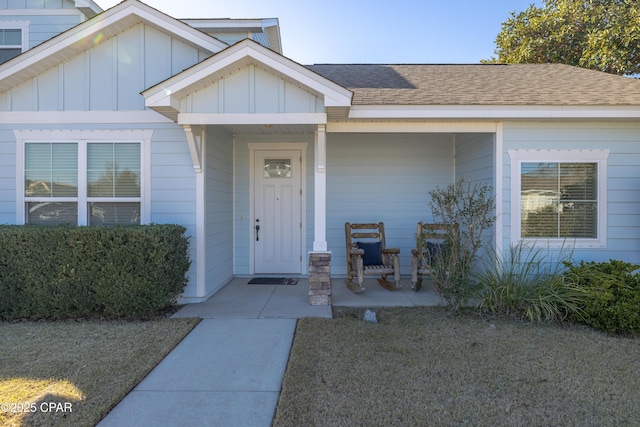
(195, 140)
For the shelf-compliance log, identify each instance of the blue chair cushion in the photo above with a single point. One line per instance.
(433, 249)
(372, 252)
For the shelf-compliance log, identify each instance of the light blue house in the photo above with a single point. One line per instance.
(132, 116)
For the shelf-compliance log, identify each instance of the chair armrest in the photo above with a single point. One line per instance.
(415, 252)
(356, 251)
(391, 251)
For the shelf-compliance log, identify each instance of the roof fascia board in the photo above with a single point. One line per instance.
(253, 118)
(40, 12)
(110, 17)
(81, 117)
(334, 95)
(381, 112)
(226, 24)
(413, 127)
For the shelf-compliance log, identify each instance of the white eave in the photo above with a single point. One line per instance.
(82, 37)
(88, 7)
(269, 26)
(165, 97)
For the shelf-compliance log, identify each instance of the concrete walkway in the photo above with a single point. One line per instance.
(228, 371)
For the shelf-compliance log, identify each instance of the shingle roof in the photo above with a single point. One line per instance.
(481, 84)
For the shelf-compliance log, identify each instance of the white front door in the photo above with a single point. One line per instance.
(277, 211)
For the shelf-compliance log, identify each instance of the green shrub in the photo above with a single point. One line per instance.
(613, 302)
(467, 209)
(65, 271)
(528, 283)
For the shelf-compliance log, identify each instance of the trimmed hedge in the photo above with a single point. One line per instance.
(67, 271)
(613, 295)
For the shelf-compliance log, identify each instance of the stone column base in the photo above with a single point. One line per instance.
(319, 278)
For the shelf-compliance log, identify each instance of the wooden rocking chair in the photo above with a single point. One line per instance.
(367, 254)
(429, 241)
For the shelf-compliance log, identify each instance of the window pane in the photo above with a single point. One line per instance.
(579, 220)
(120, 213)
(52, 213)
(539, 199)
(51, 170)
(277, 168)
(541, 221)
(578, 181)
(127, 163)
(559, 200)
(113, 170)
(11, 37)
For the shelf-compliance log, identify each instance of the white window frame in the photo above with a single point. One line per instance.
(518, 157)
(82, 138)
(23, 26)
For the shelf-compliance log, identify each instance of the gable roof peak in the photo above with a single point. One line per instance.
(82, 37)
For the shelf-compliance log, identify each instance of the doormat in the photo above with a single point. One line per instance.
(273, 281)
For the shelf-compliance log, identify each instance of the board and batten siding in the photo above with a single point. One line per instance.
(218, 208)
(173, 188)
(251, 90)
(107, 77)
(623, 180)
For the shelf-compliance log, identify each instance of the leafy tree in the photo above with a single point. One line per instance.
(597, 34)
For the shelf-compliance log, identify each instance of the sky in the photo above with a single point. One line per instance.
(367, 31)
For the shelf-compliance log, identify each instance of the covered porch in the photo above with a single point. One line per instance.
(282, 161)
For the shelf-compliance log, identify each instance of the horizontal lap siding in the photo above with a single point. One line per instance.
(373, 178)
(474, 163)
(219, 209)
(474, 158)
(42, 27)
(623, 181)
(173, 187)
(7, 176)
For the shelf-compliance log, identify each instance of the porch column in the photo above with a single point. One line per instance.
(320, 185)
(320, 258)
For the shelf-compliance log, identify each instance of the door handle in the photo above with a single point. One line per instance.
(257, 232)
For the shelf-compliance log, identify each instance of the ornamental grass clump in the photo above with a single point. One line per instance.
(528, 283)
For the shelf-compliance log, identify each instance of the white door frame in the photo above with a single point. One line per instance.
(269, 146)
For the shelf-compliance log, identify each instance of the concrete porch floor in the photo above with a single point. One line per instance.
(237, 300)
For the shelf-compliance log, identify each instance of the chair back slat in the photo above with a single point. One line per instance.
(365, 235)
(432, 231)
(364, 231)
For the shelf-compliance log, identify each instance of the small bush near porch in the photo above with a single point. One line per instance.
(425, 366)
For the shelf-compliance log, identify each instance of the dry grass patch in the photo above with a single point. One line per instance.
(86, 366)
(422, 366)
